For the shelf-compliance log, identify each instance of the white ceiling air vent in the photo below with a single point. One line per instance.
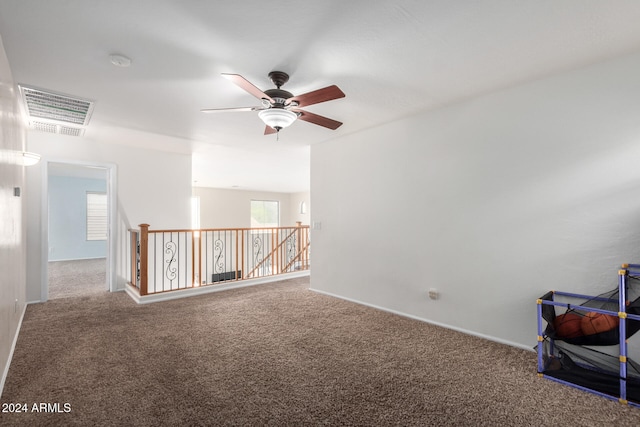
(52, 112)
(54, 128)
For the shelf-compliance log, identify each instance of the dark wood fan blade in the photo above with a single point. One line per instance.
(224, 110)
(246, 85)
(268, 130)
(318, 120)
(317, 96)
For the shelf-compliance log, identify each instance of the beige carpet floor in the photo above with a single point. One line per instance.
(77, 278)
(279, 355)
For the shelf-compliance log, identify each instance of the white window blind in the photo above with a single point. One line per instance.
(96, 216)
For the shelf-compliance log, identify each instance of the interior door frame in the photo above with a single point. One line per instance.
(111, 178)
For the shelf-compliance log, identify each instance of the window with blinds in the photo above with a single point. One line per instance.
(96, 216)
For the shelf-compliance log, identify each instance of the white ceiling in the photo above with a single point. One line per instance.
(391, 58)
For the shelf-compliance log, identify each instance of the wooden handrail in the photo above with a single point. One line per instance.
(203, 230)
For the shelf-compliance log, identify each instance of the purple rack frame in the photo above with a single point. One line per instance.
(623, 273)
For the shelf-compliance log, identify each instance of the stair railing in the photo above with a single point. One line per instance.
(171, 260)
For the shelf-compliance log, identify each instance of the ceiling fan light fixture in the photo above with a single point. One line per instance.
(277, 118)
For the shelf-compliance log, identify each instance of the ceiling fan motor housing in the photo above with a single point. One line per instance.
(279, 96)
(279, 78)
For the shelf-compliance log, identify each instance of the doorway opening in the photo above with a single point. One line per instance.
(78, 230)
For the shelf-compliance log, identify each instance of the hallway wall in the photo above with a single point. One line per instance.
(12, 214)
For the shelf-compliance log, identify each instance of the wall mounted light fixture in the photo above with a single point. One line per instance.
(28, 159)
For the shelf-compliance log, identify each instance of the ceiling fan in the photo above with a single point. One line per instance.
(280, 108)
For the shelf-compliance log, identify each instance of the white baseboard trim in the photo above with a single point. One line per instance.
(202, 290)
(5, 371)
(421, 319)
(77, 259)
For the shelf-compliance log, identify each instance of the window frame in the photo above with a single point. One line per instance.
(264, 225)
(97, 224)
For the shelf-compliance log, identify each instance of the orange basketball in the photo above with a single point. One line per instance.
(568, 325)
(594, 323)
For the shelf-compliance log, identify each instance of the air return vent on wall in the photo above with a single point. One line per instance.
(52, 112)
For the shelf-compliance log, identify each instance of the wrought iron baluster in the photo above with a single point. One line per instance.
(137, 260)
(218, 264)
(170, 250)
(257, 253)
(291, 248)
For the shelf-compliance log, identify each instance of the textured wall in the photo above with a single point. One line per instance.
(492, 201)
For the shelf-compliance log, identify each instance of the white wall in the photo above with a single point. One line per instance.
(153, 187)
(492, 201)
(12, 214)
(68, 218)
(221, 208)
(295, 199)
